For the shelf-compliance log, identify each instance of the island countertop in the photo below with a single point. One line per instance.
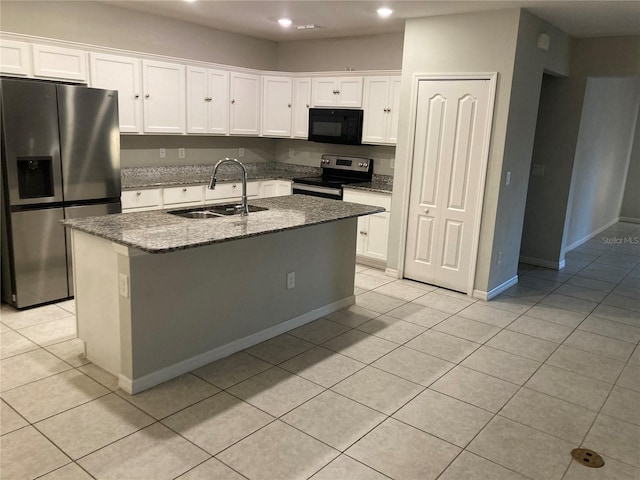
(161, 232)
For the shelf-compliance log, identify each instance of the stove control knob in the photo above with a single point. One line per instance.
(360, 164)
(366, 165)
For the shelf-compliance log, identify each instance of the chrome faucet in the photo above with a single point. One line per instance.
(212, 183)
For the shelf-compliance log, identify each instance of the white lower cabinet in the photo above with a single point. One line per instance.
(182, 196)
(230, 192)
(275, 188)
(141, 200)
(373, 230)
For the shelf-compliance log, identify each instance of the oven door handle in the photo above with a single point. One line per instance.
(310, 188)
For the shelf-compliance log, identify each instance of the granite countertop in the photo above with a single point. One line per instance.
(167, 176)
(161, 232)
(379, 184)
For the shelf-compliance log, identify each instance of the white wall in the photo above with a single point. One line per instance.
(630, 209)
(105, 25)
(602, 155)
(503, 42)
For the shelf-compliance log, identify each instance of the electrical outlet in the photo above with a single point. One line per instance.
(123, 285)
(508, 179)
(499, 257)
(163, 153)
(291, 153)
(181, 153)
(241, 152)
(291, 280)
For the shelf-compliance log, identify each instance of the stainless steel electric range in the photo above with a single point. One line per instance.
(337, 170)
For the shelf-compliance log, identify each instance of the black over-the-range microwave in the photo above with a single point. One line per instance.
(335, 125)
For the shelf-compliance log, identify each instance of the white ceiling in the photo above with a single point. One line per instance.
(579, 18)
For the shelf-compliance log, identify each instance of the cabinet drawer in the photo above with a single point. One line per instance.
(230, 190)
(367, 198)
(174, 195)
(140, 198)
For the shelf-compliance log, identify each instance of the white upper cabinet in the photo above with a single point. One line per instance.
(59, 63)
(380, 104)
(207, 101)
(15, 58)
(244, 111)
(122, 74)
(337, 92)
(164, 97)
(301, 104)
(277, 102)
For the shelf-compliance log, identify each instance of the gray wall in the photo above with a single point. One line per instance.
(602, 155)
(631, 202)
(105, 25)
(547, 218)
(503, 42)
(144, 150)
(371, 52)
(309, 153)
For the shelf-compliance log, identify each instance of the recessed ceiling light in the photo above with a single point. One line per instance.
(384, 12)
(284, 22)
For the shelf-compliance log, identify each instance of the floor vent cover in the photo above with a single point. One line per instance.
(587, 457)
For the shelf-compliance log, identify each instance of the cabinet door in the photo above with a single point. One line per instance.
(277, 93)
(197, 100)
(164, 97)
(376, 236)
(268, 189)
(218, 100)
(324, 92)
(394, 106)
(244, 116)
(15, 58)
(59, 63)
(301, 104)
(374, 125)
(122, 74)
(349, 92)
(283, 187)
(149, 199)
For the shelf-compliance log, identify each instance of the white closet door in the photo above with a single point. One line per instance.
(447, 181)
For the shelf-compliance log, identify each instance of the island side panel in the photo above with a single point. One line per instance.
(95, 270)
(187, 305)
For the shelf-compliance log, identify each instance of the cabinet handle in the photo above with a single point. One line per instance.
(234, 185)
(136, 96)
(289, 105)
(184, 189)
(307, 105)
(338, 92)
(138, 193)
(233, 101)
(426, 210)
(147, 96)
(365, 233)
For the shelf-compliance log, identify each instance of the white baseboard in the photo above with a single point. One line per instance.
(371, 262)
(482, 295)
(172, 371)
(541, 262)
(586, 238)
(392, 272)
(630, 219)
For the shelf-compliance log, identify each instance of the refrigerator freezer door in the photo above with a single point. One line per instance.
(85, 211)
(31, 144)
(39, 256)
(89, 142)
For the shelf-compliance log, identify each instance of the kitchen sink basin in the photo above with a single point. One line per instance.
(214, 211)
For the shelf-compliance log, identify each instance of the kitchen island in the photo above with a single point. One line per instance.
(158, 295)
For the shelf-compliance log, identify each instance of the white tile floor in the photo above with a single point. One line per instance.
(411, 382)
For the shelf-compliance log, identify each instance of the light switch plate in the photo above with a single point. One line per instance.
(123, 285)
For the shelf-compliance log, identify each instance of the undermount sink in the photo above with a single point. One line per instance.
(214, 211)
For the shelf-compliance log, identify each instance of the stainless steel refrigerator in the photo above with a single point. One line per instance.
(60, 159)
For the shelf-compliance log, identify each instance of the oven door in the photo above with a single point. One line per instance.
(317, 191)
